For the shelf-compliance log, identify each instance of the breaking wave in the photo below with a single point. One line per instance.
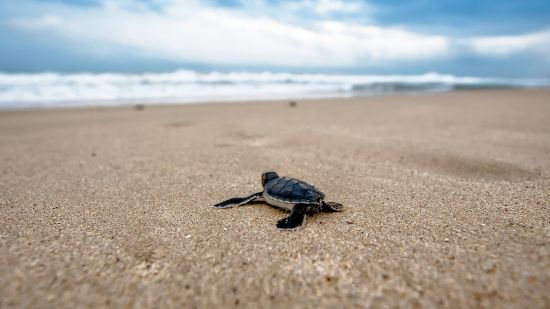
(185, 86)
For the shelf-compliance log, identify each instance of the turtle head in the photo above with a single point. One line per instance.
(268, 176)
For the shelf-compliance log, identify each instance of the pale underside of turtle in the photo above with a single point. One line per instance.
(287, 193)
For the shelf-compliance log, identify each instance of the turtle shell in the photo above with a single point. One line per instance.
(293, 191)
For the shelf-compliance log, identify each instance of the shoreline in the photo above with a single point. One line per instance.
(151, 103)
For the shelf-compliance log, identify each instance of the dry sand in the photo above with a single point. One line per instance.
(447, 204)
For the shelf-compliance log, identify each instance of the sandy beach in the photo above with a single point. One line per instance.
(447, 204)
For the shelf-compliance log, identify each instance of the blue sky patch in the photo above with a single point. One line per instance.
(486, 38)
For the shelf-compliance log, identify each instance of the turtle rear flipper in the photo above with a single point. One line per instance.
(296, 220)
(331, 207)
(238, 201)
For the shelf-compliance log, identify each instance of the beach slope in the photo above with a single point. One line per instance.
(447, 203)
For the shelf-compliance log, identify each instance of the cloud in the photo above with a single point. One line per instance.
(501, 46)
(191, 31)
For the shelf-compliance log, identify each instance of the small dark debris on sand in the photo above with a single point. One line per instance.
(139, 107)
(292, 104)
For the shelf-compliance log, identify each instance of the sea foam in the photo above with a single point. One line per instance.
(86, 89)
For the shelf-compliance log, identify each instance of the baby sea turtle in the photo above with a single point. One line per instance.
(290, 194)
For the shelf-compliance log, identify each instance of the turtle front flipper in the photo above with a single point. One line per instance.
(331, 206)
(296, 220)
(238, 201)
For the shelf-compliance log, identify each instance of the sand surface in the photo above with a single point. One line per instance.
(447, 202)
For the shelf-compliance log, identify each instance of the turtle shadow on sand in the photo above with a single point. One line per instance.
(319, 215)
(287, 193)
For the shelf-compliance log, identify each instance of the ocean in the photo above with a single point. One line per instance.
(45, 90)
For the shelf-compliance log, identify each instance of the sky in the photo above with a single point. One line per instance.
(506, 38)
